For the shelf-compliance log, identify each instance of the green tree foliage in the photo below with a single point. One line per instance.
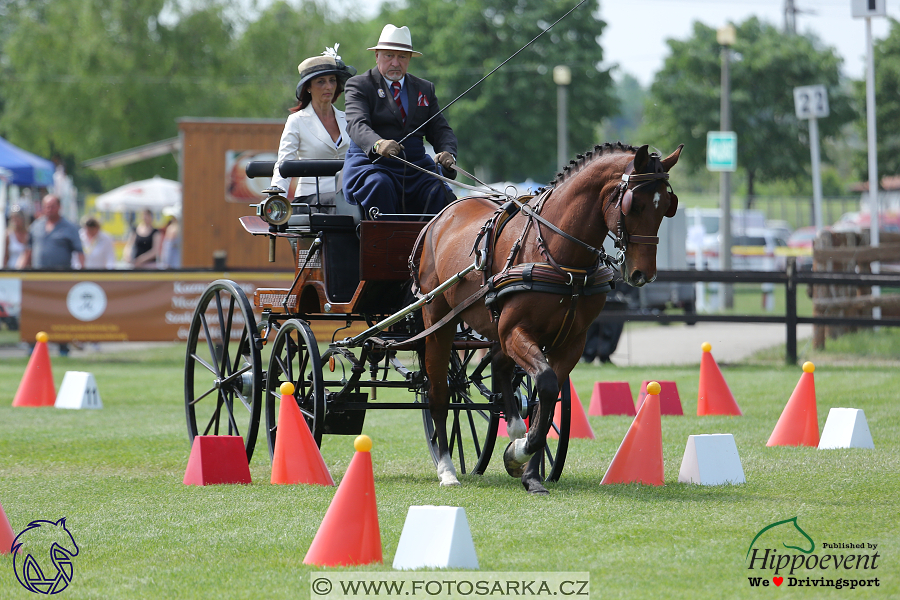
(507, 124)
(887, 106)
(772, 143)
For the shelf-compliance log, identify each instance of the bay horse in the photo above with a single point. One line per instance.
(555, 274)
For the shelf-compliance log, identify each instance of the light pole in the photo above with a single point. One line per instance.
(726, 37)
(562, 77)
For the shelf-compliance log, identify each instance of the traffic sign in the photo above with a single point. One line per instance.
(811, 102)
(721, 150)
(868, 8)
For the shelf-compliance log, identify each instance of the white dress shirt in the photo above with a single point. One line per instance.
(305, 136)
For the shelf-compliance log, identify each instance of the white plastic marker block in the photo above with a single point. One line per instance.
(846, 428)
(78, 390)
(436, 536)
(711, 459)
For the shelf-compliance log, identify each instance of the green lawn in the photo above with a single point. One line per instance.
(116, 475)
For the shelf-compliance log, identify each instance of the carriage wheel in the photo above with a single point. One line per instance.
(295, 358)
(222, 368)
(471, 434)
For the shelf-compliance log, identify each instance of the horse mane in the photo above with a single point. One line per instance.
(582, 160)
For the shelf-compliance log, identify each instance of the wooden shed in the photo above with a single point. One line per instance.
(216, 192)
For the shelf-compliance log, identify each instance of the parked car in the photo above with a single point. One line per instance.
(703, 232)
(800, 245)
(755, 250)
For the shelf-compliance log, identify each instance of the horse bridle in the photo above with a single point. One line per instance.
(622, 196)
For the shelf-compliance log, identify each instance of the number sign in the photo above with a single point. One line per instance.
(868, 8)
(811, 102)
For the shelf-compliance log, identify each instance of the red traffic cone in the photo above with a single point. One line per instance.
(639, 457)
(578, 421)
(297, 458)
(669, 400)
(611, 398)
(217, 459)
(714, 397)
(36, 388)
(799, 422)
(349, 532)
(7, 537)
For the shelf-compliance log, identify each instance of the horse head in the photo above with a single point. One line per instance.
(641, 200)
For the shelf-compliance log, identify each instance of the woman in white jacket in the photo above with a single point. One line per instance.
(315, 128)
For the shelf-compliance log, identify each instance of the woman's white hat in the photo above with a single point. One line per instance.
(395, 38)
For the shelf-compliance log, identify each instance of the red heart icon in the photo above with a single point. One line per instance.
(778, 580)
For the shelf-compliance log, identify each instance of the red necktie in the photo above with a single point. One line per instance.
(395, 88)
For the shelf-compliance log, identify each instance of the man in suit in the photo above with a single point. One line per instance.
(384, 105)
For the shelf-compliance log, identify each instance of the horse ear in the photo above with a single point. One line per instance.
(669, 161)
(641, 158)
(673, 205)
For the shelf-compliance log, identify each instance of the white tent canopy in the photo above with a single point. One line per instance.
(156, 194)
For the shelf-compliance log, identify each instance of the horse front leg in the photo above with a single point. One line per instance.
(503, 371)
(437, 361)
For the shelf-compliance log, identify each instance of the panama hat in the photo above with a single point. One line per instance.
(327, 64)
(395, 38)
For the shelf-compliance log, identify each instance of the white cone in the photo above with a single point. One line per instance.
(846, 428)
(711, 460)
(78, 390)
(436, 536)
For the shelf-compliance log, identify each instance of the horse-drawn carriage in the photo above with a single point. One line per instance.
(462, 360)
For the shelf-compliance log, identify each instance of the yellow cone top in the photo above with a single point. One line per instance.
(42, 337)
(808, 367)
(706, 346)
(653, 388)
(362, 443)
(287, 388)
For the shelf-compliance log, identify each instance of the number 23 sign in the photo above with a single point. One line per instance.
(811, 101)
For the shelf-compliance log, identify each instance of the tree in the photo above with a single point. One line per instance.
(887, 105)
(772, 143)
(507, 124)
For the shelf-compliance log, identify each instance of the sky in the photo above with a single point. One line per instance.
(637, 30)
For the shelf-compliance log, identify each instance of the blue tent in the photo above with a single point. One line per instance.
(27, 168)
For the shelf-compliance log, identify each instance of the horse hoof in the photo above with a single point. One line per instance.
(450, 483)
(513, 467)
(534, 486)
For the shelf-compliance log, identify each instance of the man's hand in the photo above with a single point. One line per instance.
(446, 160)
(387, 148)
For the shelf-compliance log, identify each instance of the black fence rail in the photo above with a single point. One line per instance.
(791, 278)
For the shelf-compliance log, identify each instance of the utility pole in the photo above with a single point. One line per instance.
(726, 38)
(790, 17)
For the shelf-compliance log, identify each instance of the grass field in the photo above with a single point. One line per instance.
(116, 475)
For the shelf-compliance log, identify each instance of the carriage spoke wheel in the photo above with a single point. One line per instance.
(222, 369)
(295, 359)
(553, 456)
(471, 434)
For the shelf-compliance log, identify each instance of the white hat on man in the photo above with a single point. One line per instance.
(395, 38)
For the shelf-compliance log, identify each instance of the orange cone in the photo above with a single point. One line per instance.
(799, 422)
(6, 533)
(611, 398)
(36, 388)
(349, 532)
(297, 458)
(714, 397)
(639, 457)
(578, 421)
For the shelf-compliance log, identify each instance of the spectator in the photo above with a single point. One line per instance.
(16, 238)
(170, 254)
(99, 250)
(53, 242)
(144, 243)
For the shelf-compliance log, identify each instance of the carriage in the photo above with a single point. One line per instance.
(409, 287)
(350, 273)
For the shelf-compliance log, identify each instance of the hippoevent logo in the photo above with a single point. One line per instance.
(836, 564)
(42, 557)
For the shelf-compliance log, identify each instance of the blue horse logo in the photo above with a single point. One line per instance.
(37, 575)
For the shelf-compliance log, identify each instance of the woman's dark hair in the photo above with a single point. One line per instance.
(306, 96)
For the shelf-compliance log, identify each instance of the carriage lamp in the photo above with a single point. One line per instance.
(274, 210)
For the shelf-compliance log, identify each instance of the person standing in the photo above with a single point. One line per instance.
(53, 241)
(170, 253)
(142, 249)
(315, 129)
(99, 249)
(16, 239)
(386, 104)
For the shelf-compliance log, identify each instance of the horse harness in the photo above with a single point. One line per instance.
(548, 277)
